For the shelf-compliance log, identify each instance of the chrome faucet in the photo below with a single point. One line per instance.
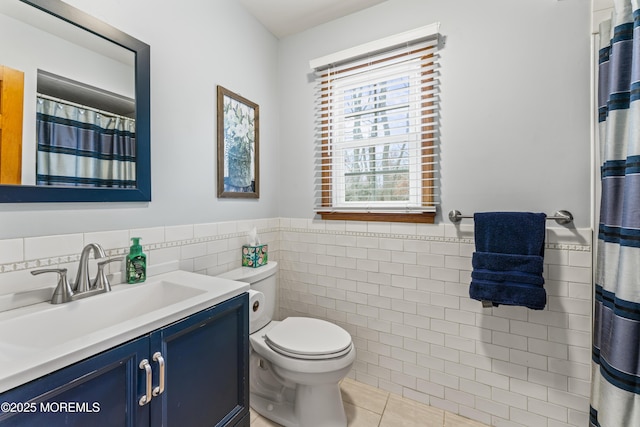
(82, 282)
(83, 286)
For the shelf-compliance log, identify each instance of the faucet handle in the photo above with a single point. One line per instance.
(63, 292)
(102, 282)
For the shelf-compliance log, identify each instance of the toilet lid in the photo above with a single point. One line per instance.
(307, 338)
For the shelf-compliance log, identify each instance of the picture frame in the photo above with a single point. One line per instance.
(238, 134)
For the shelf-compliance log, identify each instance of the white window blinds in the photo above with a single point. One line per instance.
(376, 122)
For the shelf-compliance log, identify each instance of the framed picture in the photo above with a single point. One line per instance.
(238, 143)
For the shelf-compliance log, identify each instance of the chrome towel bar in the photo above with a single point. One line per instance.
(561, 217)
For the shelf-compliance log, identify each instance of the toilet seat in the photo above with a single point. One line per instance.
(309, 339)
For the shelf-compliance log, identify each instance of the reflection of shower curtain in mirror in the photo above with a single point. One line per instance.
(83, 147)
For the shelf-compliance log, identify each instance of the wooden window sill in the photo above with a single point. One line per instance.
(423, 217)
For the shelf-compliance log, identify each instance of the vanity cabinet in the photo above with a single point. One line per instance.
(205, 358)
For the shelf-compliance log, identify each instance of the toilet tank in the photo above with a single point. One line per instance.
(261, 279)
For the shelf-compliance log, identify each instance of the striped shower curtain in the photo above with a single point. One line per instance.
(615, 390)
(82, 147)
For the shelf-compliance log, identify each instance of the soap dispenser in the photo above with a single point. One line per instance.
(136, 263)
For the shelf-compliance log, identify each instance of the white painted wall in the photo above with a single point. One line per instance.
(195, 46)
(515, 101)
(515, 132)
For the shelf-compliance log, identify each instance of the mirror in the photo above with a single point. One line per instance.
(109, 79)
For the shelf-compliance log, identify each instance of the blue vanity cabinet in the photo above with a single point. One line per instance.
(206, 373)
(103, 390)
(207, 368)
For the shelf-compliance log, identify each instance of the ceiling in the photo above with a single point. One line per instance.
(285, 17)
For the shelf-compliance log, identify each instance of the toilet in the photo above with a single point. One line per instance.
(296, 364)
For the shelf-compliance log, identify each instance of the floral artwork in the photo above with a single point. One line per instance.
(239, 128)
(237, 145)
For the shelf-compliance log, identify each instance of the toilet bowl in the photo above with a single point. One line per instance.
(295, 364)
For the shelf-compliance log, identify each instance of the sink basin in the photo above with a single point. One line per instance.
(43, 337)
(63, 322)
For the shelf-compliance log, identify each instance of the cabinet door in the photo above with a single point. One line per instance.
(206, 368)
(99, 391)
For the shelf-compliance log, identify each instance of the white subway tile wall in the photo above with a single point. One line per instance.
(401, 290)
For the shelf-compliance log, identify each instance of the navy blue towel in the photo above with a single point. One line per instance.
(508, 262)
(508, 276)
(517, 233)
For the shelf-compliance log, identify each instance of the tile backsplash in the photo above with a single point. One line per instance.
(203, 248)
(401, 290)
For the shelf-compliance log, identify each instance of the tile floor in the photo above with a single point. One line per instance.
(367, 406)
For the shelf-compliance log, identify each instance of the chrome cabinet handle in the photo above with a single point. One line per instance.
(144, 364)
(157, 357)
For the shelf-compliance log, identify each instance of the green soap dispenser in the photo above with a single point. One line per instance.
(136, 263)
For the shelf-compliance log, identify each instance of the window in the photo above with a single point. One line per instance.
(377, 133)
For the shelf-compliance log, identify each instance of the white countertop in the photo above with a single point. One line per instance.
(38, 339)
